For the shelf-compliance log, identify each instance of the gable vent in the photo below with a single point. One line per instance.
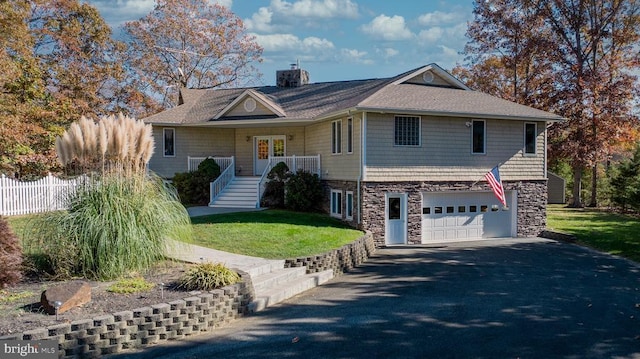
(294, 77)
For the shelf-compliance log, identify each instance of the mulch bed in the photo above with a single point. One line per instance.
(20, 308)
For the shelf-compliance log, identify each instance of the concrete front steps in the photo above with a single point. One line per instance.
(242, 192)
(283, 283)
(272, 282)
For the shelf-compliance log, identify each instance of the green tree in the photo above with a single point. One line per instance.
(625, 191)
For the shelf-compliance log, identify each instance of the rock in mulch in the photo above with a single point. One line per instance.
(69, 295)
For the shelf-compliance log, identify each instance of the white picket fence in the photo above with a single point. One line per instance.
(45, 194)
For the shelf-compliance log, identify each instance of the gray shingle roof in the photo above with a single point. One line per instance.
(314, 101)
(453, 102)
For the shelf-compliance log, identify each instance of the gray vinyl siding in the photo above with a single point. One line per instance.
(190, 141)
(445, 151)
(344, 166)
(238, 110)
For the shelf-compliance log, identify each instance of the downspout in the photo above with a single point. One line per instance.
(363, 161)
(546, 131)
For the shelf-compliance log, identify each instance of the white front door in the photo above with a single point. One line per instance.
(396, 218)
(264, 148)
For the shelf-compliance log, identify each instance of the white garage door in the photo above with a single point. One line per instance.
(460, 216)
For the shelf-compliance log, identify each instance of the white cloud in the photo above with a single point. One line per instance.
(387, 28)
(354, 55)
(281, 15)
(431, 35)
(260, 21)
(117, 12)
(323, 9)
(437, 18)
(226, 3)
(387, 52)
(291, 43)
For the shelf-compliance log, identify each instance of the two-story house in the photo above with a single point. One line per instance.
(402, 157)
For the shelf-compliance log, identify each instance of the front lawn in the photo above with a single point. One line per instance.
(608, 232)
(272, 234)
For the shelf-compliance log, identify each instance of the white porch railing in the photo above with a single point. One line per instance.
(295, 163)
(46, 194)
(193, 162)
(226, 176)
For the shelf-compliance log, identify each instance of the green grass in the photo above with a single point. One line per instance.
(272, 234)
(130, 285)
(608, 232)
(7, 297)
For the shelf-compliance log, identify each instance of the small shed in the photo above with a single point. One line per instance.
(556, 189)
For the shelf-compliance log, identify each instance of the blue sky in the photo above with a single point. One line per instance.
(339, 39)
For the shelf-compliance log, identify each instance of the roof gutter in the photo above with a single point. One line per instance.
(457, 114)
(351, 110)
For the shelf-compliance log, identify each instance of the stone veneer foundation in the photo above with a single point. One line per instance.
(531, 204)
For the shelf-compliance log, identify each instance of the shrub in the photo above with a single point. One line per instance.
(193, 187)
(120, 219)
(273, 196)
(10, 256)
(208, 276)
(113, 226)
(303, 192)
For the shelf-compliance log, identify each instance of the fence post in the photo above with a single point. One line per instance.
(50, 190)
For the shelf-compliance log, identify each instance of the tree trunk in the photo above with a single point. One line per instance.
(576, 201)
(594, 186)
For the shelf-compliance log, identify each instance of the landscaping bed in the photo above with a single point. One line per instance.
(20, 309)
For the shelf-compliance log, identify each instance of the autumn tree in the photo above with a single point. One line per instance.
(59, 61)
(24, 145)
(573, 57)
(190, 43)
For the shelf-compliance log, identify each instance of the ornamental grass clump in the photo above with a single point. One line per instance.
(208, 276)
(119, 220)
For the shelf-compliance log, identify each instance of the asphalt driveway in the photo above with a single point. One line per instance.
(492, 299)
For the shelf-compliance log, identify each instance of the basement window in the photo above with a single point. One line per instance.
(336, 203)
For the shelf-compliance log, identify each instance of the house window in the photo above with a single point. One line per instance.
(530, 134)
(169, 142)
(478, 137)
(350, 135)
(336, 203)
(407, 131)
(336, 137)
(349, 209)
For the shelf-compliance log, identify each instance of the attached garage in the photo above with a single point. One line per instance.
(466, 215)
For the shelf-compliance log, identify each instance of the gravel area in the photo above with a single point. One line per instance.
(20, 305)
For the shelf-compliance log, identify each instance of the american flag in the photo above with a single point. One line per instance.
(493, 177)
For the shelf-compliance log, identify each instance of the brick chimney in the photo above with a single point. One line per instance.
(294, 77)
